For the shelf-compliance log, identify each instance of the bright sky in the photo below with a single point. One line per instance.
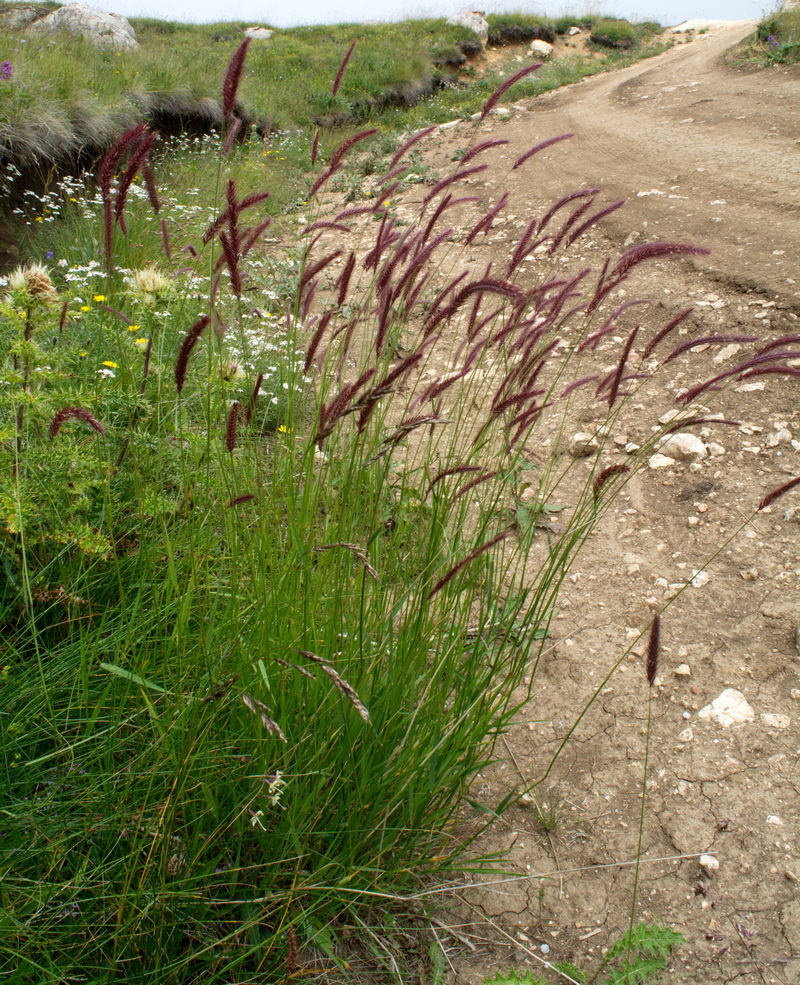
(667, 12)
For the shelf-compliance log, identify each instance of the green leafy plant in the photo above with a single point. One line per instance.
(641, 953)
(514, 977)
(634, 959)
(776, 41)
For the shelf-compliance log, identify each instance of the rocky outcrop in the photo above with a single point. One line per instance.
(104, 30)
(475, 20)
(20, 16)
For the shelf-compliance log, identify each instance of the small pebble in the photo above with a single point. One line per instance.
(774, 819)
(683, 670)
(545, 948)
(775, 721)
(709, 863)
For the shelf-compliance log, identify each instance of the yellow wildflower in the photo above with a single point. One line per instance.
(100, 297)
(110, 363)
(86, 307)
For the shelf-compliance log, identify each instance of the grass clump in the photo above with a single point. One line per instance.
(271, 595)
(517, 28)
(777, 39)
(611, 32)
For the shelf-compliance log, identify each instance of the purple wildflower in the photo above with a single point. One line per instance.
(6, 70)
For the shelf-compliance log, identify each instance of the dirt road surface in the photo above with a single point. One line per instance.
(709, 155)
(715, 152)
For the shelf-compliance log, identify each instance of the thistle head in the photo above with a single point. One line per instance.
(149, 285)
(33, 284)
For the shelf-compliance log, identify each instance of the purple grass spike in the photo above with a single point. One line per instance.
(77, 414)
(187, 345)
(492, 101)
(406, 147)
(340, 74)
(233, 76)
(653, 650)
(540, 147)
(770, 498)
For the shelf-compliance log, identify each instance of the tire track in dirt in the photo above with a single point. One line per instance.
(722, 142)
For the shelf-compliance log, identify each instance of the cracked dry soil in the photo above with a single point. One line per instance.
(705, 154)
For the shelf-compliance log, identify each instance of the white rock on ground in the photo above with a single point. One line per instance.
(474, 20)
(730, 708)
(726, 352)
(258, 33)
(660, 461)
(103, 30)
(573, 31)
(540, 48)
(709, 863)
(775, 721)
(582, 444)
(684, 447)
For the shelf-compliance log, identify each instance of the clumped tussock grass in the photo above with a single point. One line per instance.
(775, 42)
(272, 588)
(613, 32)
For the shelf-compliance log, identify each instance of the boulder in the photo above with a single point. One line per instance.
(541, 49)
(573, 31)
(475, 20)
(103, 30)
(20, 16)
(258, 33)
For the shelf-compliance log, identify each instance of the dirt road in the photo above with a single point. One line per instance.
(716, 153)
